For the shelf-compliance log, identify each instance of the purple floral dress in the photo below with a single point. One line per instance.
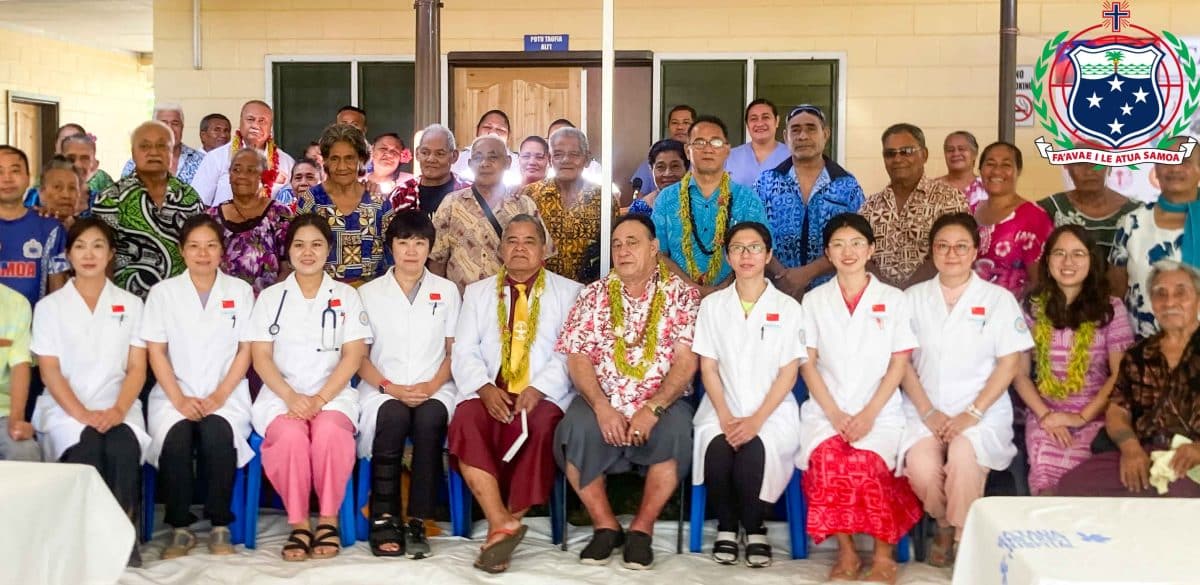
(254, 248)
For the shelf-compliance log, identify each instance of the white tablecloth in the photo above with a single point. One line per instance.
(60, 525)
(1060, 541)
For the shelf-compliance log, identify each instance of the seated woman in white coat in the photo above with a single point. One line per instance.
(199, 409)
(747, 429)
(93, 364)
(859, 333)
(406, 391)
(971, 335)
(309, 334)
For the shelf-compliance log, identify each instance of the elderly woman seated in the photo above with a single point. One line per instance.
(1157, 397)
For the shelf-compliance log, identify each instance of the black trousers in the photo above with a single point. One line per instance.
(734, 479)
(205, 446)
(395, 425)
(116, 455)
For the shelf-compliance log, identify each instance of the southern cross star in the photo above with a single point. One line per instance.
(1140, 95)
(1115, 84)
(1126, 110)
(1115, 127)
(1094, 101)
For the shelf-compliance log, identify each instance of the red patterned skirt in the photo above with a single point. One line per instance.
(851, 491)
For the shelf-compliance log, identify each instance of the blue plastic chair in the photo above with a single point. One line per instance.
(237, 502)
(254, 477)
(362, 500)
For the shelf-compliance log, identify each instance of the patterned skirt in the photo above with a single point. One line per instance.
(851, 491)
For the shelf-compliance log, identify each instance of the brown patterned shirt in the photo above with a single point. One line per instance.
(1163, 402)
(576, 231)
(466, 241)
(902, 235)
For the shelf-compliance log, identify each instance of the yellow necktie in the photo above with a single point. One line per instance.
(520, 339)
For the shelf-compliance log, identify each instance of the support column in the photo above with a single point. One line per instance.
(1006, 127)
(427, 102)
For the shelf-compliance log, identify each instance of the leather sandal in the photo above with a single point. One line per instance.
(294, 542)
(327, 537)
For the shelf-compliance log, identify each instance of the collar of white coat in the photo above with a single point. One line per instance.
(390, 275)
(327, 284)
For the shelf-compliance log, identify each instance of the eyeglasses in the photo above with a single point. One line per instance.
(563, 156)
(806, 109)
(959, 249)
(753, 249)
(905, 151)
(1061, 254)
(491, 158)
(855, 244)
(716, 143)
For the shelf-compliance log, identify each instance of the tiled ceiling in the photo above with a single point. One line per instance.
(125, 25)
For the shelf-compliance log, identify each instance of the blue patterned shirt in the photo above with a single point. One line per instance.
(358, 253)
(796, 227)
(1138, 245)
(668, 222)
(189, 161)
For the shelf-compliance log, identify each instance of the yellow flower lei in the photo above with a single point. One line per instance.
(507, 370)
(715, 262)
(649, 333)
(270, 175)
(1077, 362)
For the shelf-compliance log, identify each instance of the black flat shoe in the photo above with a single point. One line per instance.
(638, 555)
(600, 549)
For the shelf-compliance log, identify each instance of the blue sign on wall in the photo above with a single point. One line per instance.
(546, 42)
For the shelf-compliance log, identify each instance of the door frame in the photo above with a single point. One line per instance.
(839, 154)
(49, 110)
(522, 59)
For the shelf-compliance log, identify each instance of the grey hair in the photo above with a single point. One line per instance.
(451, 144)
(1163, 266)
(169, 107)
(526, 218)
(571, 132)
(335, 133)
(905, 128)
(152, 124)
(485, 137)
(84, 138)
(58, 162)
(258, 156)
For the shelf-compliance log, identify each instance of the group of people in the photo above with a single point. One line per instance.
(469, 312)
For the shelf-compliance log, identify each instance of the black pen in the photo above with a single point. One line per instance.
(434, 311)
(234, 319)
(761, 331)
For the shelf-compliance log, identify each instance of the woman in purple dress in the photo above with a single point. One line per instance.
(1080, 333)
(253, 226)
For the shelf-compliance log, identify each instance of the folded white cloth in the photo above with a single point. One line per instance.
(1161, 473)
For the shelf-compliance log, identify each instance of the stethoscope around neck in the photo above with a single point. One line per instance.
(328, 324)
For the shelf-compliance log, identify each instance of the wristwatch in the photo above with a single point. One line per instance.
(384, 383)
(657, 410)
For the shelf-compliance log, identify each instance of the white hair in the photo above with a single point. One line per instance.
(439, 129)
(1163, 266)
(168, 107)
(569, 132)
(152, 124)
(486, 137)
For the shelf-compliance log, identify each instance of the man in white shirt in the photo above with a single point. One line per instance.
(211, 181)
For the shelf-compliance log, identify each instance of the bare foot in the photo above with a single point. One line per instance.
(883, 570)
(846, 567)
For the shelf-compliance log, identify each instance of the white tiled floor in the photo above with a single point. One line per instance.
(536, 562)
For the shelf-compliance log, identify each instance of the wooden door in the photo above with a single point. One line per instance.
(25, 132)
(533, 97)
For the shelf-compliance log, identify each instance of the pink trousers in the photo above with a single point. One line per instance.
(947, 479)
(301, 455)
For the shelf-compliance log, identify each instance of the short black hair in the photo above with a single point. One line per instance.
(489, 113)
(20, 154)
(349, 108)
(853, 221)
(84, 224)
(761, 102)
(201, 220)
(668, 145)
(749, 225)
(639, 218)
(681, 108)
(961, 219)
(709, 119)
(391, 135)
(561, 121)
(408, 224)
(207, 121)
(311, 220)
(1017, 158)
(539, 140)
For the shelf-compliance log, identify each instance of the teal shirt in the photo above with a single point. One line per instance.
(668, 222)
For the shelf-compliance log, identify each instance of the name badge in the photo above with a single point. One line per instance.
(118, 313)
(978, 314)
(879, 313)
(228, 306)
(772, 321)
(435, 301)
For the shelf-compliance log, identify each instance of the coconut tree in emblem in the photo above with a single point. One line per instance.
(1116, 57)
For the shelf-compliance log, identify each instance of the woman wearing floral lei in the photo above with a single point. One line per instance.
(1080, 333)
